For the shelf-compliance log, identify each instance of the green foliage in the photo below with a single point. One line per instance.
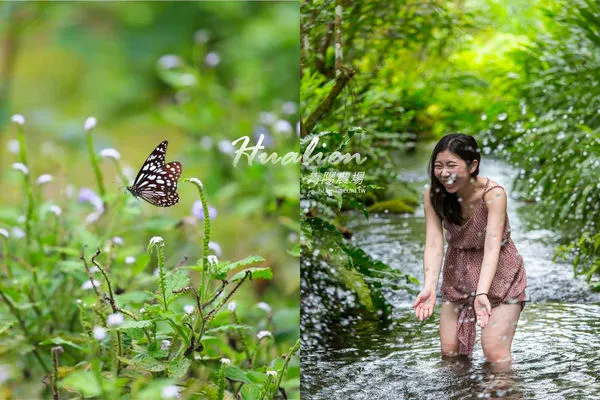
(553, 133)
(322, 200)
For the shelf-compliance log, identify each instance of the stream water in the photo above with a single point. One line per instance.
(556, 348)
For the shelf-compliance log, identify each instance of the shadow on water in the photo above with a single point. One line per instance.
(556, 346)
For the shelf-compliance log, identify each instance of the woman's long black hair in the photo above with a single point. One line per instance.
(446, 204)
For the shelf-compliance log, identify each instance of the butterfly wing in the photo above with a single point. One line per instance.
(154, 162)
(159, 185)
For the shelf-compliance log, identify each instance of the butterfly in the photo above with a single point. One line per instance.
(157, 182)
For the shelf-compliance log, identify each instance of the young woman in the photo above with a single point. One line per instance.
(484, 278)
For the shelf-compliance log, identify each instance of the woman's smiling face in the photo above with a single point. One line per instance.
(451, 171)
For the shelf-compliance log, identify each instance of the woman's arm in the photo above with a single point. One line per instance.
(496, 205)
(432, 261)
(434, 245)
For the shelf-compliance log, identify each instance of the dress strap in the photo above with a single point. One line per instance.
(487, 189)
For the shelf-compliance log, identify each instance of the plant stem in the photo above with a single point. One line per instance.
(95, 166)
(17, 315)
(282, 370)
(55, 352)
(30, 200)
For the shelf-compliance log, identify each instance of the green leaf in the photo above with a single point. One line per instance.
(228, 327)
(178, 367)
(175, 280)
(60, 341)
(237, 374)
(255, 273)
(133, 325)
(83, 382)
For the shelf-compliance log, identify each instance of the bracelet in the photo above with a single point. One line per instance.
(486, 295)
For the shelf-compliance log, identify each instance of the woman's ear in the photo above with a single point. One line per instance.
(473, 166)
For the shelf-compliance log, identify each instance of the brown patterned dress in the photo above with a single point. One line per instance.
(462, 266)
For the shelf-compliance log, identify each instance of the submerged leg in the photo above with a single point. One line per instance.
(448, 334)
(497, 336)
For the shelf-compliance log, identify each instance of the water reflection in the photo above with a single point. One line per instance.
(555, 349)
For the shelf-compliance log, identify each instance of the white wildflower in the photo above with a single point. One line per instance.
(170, 392)
(43, 179)
(5, 373)
(201, 36)
(111, 153)
(283, 126)
(90, 123)
(289, 107)
(189, 308)
(4, 232)
(156, 240)
(94, 269)
(165, 345)
(216, 248)
(206, 143)
(129, 260)
(13, 146)
(89, 284)
(17, 233)
(99, 333)
(212, 260)
(231, 306)
(225, 361)
(20, 167)
(265, 307)
(56, 210)
(115, 319)
(226, 147)
(169, 61)
(272, 373)
(263, 334)
(18, 119)
(212, 59)
(267, 118)
(197, 182)
(93, 217)
(188, 79)
(118, 240)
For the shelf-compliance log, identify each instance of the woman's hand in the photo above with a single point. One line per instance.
(483, 310)
(424, 303)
